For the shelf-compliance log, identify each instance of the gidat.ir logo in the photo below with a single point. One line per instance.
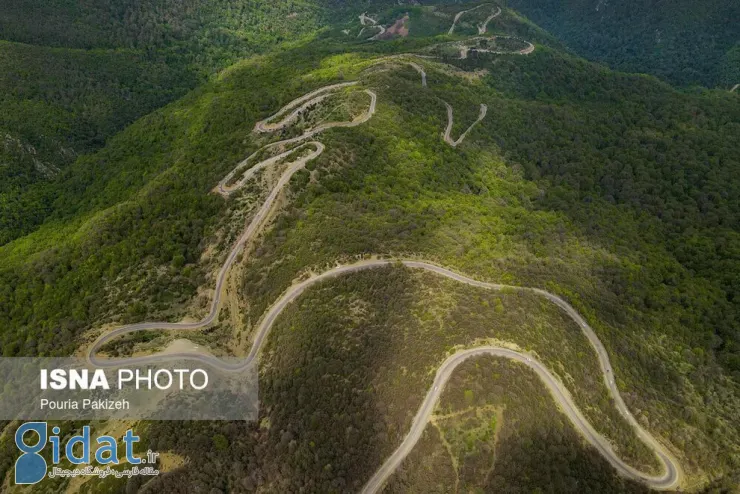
(31, 467)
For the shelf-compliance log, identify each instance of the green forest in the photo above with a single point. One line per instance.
(616, 191)
(76, 73)
(683, 42)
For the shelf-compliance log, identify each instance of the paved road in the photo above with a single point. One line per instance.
(364, 19)
(666, 481)
(482, 28)
(367, 21)
(401, 58)
(251, 230)
(465, 50)
(381, 33)
(448, 130)
(374, 37)
(225, 189)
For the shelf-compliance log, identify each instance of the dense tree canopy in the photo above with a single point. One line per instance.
(684, 42)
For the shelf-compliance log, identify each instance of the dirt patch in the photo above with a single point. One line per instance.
(171, 461)
(399, 28)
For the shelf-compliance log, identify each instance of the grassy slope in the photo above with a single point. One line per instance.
(680, 41)
(494, 207)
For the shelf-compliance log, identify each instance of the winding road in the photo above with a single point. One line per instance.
(484, 27)
(401, 59)
(448, 130)
(223, 186)
(666, 481)
(459, 14)
(374, 36)
(308, 100)
(672, 471)
(381, 33)
(464, 49)
(366, 21)
(254, 226)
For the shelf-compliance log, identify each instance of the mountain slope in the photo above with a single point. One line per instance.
(58, 103)
(683, 42)
(613, 190)
(76, 73)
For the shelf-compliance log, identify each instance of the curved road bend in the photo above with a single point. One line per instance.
(465, 50)
(224, 189)
(270, 127)
(459, 14)
(448, 130)
(524, 51)
(668, 480)
(381, 33)
(265, 126)
(364, 18)
(372, 23)
(248, 233)
(484, 27)
(400, 58)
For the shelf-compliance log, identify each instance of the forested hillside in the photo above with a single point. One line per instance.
(75, 73)
(680, 41)
(58, 103)
(200, 32)
(614, 191)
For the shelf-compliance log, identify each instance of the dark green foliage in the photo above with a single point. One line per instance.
(612, 190)
(393, 186)
(349, 363)
(57, 103)
(663, 157)
(75, 73)
(198, 27)
(142, 202)
(730, 71)
(681, 41)
(535, 449)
